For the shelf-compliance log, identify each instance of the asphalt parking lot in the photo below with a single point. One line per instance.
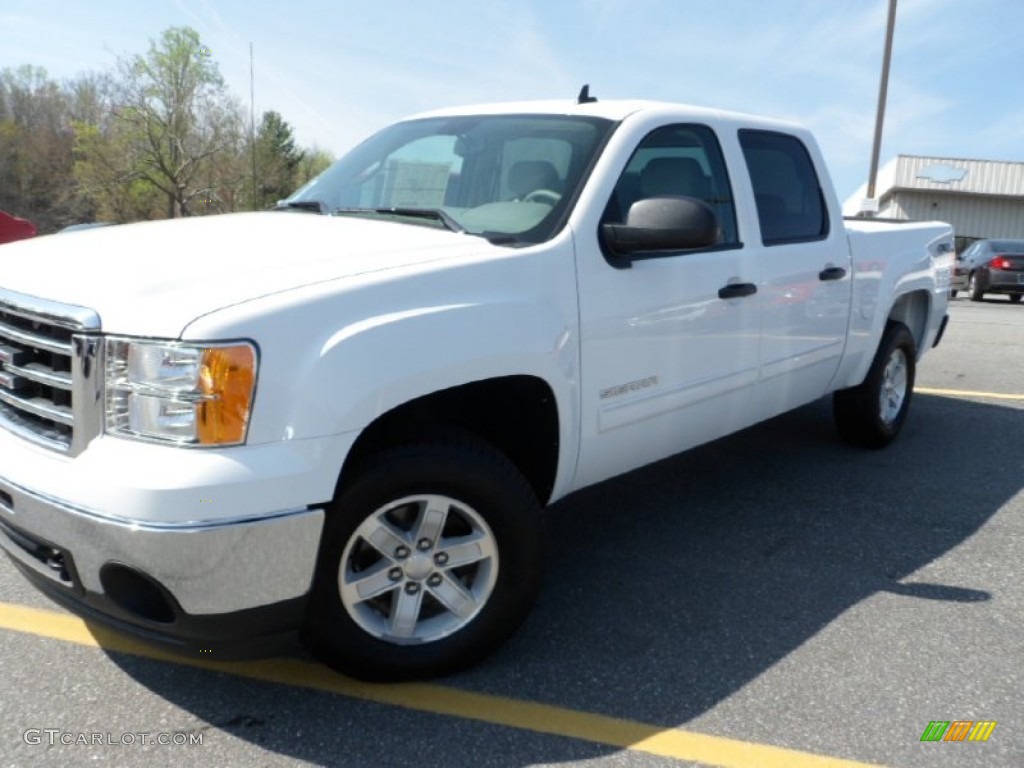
(773, 600)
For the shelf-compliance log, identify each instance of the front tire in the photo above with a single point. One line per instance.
(431, 557)
(1015, 298)
(871, 415)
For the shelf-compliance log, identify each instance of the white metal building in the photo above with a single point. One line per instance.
(980, 198)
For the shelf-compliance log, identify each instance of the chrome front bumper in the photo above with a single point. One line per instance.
(211, 580)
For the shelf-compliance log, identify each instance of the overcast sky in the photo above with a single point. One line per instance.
(338, 70)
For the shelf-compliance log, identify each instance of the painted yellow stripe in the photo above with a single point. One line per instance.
(436, 699)
(968, 394)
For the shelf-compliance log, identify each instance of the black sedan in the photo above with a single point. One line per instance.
(994, 266)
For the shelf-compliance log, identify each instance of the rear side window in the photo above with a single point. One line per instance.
(790, 205)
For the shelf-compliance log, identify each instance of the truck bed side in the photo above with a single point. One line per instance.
(889, 266)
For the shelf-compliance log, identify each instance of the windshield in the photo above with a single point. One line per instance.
(510, 178)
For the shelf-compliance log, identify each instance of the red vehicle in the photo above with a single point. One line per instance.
(12, 228)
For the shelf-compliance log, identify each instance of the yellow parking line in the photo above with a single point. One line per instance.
(437, 699)
(967, 394)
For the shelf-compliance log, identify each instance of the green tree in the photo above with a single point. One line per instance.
(157, 136)
(314, 162)
(277, 161)
(35, 148)
(107, 183)
(176, 115)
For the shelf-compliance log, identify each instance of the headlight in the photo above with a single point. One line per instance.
(179, 393)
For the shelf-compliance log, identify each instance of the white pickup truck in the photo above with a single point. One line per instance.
(341, 419)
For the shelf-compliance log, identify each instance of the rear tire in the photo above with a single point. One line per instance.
(974, 289)
(1015, 298)
(871, 415)
(430, 559)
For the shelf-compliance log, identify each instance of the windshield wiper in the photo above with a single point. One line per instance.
(313, 206)
(433, 214)
(502, 238)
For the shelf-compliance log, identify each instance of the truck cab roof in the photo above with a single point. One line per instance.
(612, 109)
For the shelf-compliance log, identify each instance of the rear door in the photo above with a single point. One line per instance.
(805, 273)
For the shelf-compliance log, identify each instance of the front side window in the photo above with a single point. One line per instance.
(510, 178)
(677, 161)
(790, 205)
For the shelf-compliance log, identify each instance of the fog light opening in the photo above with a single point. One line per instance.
(137, 593)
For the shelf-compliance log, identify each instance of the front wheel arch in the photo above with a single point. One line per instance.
(516, 415)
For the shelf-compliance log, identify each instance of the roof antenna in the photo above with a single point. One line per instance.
(585, 97)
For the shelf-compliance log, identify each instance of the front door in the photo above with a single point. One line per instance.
(669, 345)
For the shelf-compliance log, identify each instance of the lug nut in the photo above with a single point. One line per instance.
(441, 558)
(395, 574)
(412, 588)
(401, 552)
(424, 544)
(434, 580)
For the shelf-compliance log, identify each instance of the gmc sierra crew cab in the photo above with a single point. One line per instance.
(340, 420)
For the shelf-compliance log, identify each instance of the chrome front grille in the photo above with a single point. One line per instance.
(50, 376)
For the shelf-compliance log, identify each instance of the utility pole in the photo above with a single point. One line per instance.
(252, 123)
(883, 91)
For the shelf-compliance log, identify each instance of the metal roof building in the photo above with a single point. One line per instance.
(980, 198)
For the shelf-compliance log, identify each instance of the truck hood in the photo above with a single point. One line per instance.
(153, 278)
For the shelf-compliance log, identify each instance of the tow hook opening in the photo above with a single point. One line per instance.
(137, 593)
(55, 562)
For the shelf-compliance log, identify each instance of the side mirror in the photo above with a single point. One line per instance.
(659, 224)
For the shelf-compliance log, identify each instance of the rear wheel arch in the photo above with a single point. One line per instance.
(912, 310)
